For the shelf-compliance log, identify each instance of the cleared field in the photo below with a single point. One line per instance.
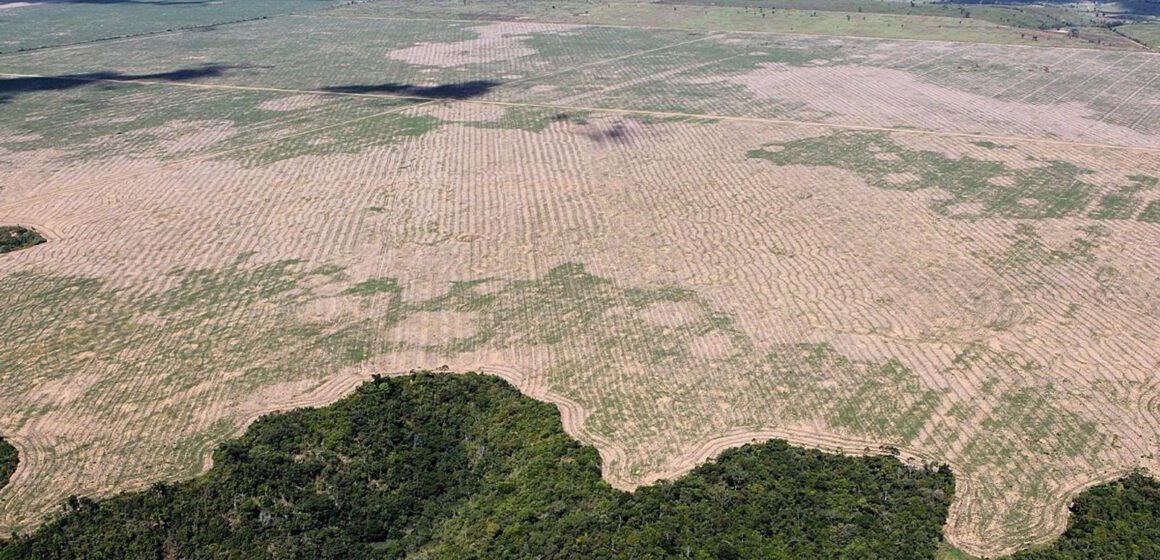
(661, 232)
(36, 24)
(127, 129)
(895, 20)
(1059, 94)
(1147, 33)
(364, 56)
(1099, 98)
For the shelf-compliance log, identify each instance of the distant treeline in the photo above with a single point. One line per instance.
(464, 466)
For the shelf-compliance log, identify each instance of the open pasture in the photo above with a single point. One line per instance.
(35, 24)
(1030, 25)
(685, 239)
(1106, 98)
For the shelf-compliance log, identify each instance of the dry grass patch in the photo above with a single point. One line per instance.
(887, 97)
(292, 102)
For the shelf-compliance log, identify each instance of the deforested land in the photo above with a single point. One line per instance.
(927, 231)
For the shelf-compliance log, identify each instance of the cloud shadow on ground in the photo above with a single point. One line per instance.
(13, 86)
(458, 90)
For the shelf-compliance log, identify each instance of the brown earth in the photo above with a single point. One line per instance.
(798, 255)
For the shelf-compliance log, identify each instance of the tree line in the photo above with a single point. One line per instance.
(464, 466)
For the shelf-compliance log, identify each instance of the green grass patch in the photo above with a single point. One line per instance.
(1147, 33)
(1027, 253)
(987, 188)
(349, 138)
(991, 145)
(374, 286)
(54, 24)
(1151, 213)
(1123, 203)
(938, 21)
(106, 120)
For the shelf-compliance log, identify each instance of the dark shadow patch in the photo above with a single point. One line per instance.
(10, 87)
(615, 134)
(458, 90)
(9, 458)
(15, 238)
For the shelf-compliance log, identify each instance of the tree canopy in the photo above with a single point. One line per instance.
(464, 466)
(1120, 519)
(8, 460)
(14, 238)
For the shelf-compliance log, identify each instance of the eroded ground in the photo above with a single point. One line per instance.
(659, 231)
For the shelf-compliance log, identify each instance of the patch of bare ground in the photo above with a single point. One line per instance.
(1003, 181)
(671, 313)
(810, 305)
(461, 112)
(180, 137)
(292, 102)
(427, 328)
(901, 178)
(494, 42)
(712, 346)
(886, 97)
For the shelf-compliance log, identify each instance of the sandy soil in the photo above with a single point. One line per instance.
(799, 255)
(890, 97)
(293, 102)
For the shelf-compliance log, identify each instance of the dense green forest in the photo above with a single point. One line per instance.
(1120, 519)
(8, 460)
(14, 238)
(463, 466)
(448, 466)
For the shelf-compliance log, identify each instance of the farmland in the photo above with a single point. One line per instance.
(687, 237)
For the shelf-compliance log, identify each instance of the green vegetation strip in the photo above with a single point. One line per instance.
(447, 466)
(1053, 189)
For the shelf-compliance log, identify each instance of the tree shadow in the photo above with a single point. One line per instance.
(618, 133)
(459, 90)
(11, 87)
